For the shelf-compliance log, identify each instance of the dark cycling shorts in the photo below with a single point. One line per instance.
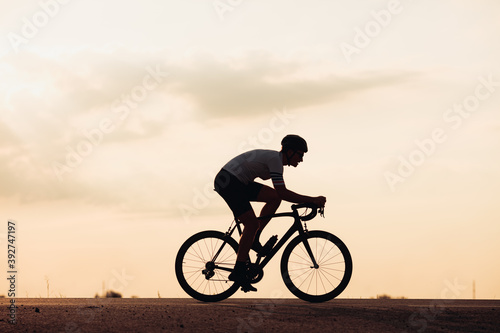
(236, 194)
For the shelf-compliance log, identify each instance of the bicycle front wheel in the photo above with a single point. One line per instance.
(203, 264)
(323, 282)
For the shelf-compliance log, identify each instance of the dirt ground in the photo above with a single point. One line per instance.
(248, 315)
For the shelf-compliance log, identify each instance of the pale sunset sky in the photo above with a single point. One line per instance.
(115, 116)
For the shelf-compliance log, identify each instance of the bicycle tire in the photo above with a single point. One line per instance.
(191, 261)
(328, 280)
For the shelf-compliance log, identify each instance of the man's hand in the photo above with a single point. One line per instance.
(319, 201)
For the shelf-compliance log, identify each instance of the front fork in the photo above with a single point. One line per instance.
(309, 251)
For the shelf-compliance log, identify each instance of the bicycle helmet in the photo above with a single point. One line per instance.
(294, 142)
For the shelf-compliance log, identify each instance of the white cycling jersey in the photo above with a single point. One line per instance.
(260, 163)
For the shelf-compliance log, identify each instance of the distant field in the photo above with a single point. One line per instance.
(249, 315)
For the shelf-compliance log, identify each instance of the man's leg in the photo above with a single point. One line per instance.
(251, 225)
(236, 194)
(273, 201)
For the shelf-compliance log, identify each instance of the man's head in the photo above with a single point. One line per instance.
(293, 148)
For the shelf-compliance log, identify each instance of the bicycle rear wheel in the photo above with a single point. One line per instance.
(322, 283)
(202, 277)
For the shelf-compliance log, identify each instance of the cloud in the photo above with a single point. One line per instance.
(71, 83)
(50, 99)
(46, 105)
(258, 84)
(7, 136)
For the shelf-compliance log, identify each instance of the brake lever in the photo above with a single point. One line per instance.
(322, 211)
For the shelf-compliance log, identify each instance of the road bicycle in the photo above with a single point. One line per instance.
(316, 266)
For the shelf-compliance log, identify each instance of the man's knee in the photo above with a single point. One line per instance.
(249, 220)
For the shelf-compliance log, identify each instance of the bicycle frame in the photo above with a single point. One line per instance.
(296, 226)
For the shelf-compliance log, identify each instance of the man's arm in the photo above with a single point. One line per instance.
(287, 195)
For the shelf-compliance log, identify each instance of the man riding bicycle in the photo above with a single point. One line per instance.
(235, 184)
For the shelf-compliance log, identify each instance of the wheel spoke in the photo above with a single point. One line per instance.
(309, 273)
(302, 257)
(323, 273)
(335, 256)
(322, 257)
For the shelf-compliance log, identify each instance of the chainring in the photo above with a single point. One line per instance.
(254, 273)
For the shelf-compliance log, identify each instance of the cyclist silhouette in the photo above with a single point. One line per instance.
(235, 184)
